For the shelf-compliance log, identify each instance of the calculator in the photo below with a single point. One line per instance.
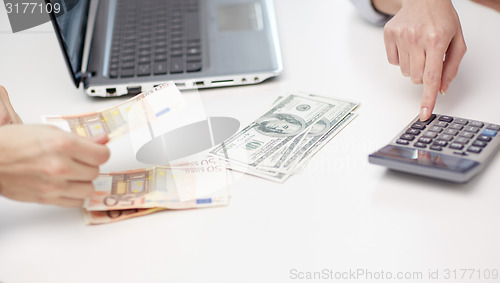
(443, 147)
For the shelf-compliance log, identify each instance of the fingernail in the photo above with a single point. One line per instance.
(424, 114)
(443, 93)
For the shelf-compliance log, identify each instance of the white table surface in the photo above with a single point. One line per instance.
(341, 214)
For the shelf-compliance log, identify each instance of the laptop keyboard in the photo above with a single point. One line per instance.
(155, 37)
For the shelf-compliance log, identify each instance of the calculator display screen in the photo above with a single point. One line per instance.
(427, 158)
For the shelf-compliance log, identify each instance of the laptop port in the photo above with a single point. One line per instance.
(134, 90)
(222, 83)
(201, 83)
(111, 91)
(180, 84)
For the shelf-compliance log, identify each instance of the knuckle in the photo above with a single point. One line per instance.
(60, 144)
(392, 31)
(412, 35)
(44, 200)
(56, 167)
(105, 155)
(393, 61)
(417, 80)
(94, 173)
(435, 37)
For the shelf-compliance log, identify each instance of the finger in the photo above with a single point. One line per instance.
(18, 119)
(7, 108)
(60, 168)
(5, 117)
(391, 48)
(417, 64)
(432, 82)
(77, 190)
(83, 150)
(404, 59)
(100, 139)
(66, 202)
(454, 55)
(77, 171)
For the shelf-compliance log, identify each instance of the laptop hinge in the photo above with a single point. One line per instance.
(82, 76)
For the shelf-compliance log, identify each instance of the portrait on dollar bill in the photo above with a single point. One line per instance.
(280, 125)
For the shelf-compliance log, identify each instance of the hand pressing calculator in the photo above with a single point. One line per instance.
(443, 147)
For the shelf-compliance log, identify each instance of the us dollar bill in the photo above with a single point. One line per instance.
(120, 119)
(289, 118)
(282, 175)
(278, 158)
(324, 127)
(285, 159)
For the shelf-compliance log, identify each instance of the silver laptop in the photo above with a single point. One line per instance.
(118, 47)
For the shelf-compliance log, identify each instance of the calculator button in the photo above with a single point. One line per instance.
(461, 140)
(419, 144)
(484, 138)
(413, 131)
(436, 147)
(428, 121)
(448, 119)
(436, 129)
(424, 140)
(450, 132)
(493, 127)
(441, 124)
(445, 137)
(430, 135)
(456, 127)
(418, 126)
(488, 132)
(455, 145)
(474, 149)
(476, 124)
(479, 143)
(407, 137)
(440, 143)
(466, 135)
(471, 129)
(461, 121)
(403, 142)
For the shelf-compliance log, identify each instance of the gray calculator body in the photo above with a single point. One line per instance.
(443, 147)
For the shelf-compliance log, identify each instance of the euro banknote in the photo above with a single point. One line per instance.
(120, 119)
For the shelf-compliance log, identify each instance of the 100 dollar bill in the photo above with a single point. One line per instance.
(286, 120)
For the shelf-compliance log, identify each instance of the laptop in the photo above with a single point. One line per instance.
(119, 47)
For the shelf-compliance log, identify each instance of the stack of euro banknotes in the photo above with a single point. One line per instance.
(275, 146)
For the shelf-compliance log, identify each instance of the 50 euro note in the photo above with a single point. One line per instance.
(123, 195)
(121, 119)
(110, 216)
(205, 183)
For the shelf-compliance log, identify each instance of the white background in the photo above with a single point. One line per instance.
(342, 213)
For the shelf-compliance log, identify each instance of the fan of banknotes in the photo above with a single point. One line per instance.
(275, 146)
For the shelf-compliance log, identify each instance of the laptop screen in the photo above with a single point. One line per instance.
(70, 25)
